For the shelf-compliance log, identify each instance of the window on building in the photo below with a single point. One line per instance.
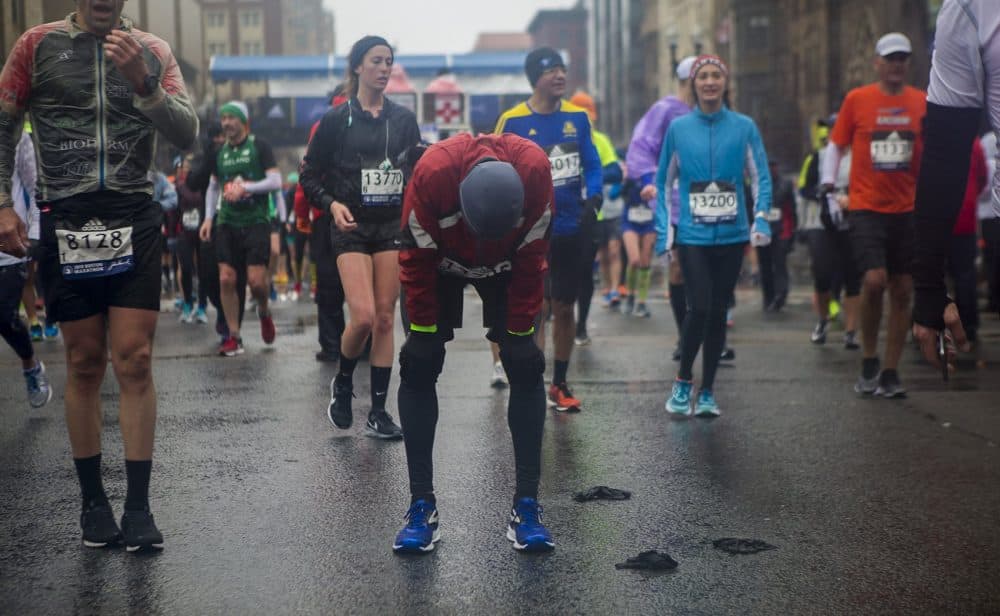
(217, 49)
(215, 19)
(253, 48)
(250, 18)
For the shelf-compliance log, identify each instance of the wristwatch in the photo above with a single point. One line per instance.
(149, 84)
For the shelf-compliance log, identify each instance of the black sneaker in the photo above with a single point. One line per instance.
(327, 357)
(339, 410)
(380, 425)
(818, 335)
(851, 341)
(98, 524)
(141, 534)
(889, 385)
(728, 354)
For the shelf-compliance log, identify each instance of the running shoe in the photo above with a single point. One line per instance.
(200, 316)
(889, 385)
(36, 332)
(380, 425)
(187, 314)
(140, 532)
(98, 524)
(629, 305)
(327, 357)
(679, 404)
(39, 390)
(819, 333)
(267, 331)
(851, 340)
(641, 311)
(339, 411)
(728, 354)
(706, 406)
(273, 293)
(581, 339)
(178, 303)
(421, 530)
(51, 331)
(614, 299)
(499, 378)
(562, 399)
(526, 530)
(231, 346)
(867, 386)
(297, 290)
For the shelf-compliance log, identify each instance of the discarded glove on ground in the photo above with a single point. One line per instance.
(733, 545)
(650, 560)
(602, 493)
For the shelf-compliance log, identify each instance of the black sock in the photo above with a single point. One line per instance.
(429, 497)
(559, 374)
(678, 303)
(869, 367)
(346, 372)
(137, 474)
(88, 470)
(380, 387)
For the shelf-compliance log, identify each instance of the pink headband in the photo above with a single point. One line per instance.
(709, 59)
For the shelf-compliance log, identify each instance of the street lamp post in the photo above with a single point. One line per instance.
(672, 38)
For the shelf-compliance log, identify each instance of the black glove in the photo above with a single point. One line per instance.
(588, 212)
(523, 361)
(421, 358)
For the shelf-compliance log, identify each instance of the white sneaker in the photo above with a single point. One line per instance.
(499, 378)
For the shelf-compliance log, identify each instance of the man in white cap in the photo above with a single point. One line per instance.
(881, 123)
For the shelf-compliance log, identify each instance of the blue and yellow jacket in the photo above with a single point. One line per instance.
(565, 135)
(710, 155)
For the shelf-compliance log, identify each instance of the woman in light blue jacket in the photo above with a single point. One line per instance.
(711, 152)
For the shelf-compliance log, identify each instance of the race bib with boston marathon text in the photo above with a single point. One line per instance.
(381, 187)
(892, 150)
(565, 161)
(713, 202)
(95, 249)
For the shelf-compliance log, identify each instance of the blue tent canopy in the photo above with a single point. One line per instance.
(254, 68)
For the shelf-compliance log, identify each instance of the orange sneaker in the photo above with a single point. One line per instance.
(562, 399)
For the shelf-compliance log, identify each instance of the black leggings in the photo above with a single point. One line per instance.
(710, 274)
(12, 328)
(583, 300)
(189, 255)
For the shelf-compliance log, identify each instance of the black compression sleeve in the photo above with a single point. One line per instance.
(944, 172)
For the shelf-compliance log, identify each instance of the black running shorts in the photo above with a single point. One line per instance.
(72, 300)
(368, 238)
(882, 241)
(240, 247)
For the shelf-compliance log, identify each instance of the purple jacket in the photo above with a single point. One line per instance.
(643, 157)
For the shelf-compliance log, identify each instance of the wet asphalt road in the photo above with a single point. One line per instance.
(874, 506)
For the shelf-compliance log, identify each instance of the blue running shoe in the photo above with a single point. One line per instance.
(526, 529)
(706, 406)
(51, 331)
(679, 404)
(36, 332)
(421, 530)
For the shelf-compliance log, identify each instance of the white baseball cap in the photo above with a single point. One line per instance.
(684, 67)
(894, 42)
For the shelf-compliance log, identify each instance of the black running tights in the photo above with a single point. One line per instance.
(710, 274)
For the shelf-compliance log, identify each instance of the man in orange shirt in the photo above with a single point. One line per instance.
(881, 123)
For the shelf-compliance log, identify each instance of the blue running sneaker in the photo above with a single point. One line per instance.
(51, 331)
(526, 529)
(421, 530)
(706, 406)
(36, 332)
(39, 390)
(679, 404)
(200, 316)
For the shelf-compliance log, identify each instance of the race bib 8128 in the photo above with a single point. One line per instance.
(94, 249)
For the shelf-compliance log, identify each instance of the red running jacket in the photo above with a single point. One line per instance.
(437, 241)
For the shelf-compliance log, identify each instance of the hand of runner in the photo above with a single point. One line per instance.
(234, 191)
(342, 217)
(126, 52)
(205, 232)
(13, 233)
(927, 337)
(648, 192)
